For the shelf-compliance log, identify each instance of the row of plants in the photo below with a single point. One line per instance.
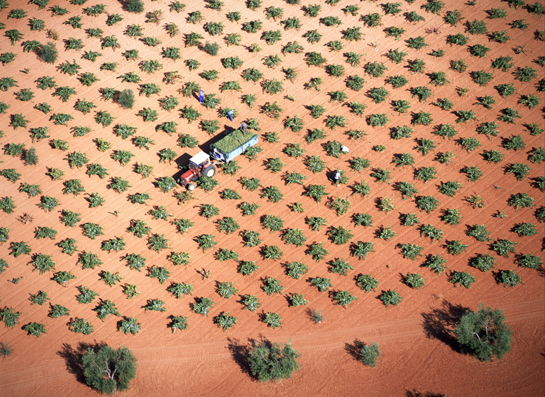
(339, 204)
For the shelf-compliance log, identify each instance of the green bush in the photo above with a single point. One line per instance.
(390, 297)
(484, 334)
(270, 361)
(369, 354)
(48, 52)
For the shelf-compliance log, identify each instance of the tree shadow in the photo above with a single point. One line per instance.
(73, 357)
(239, 352)
(439, 323)
(354, 349)
(416, 393)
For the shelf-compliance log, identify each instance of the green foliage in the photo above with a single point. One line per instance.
(508, 278)
(4, 237)
(362, 219)
(42, 263)
(202, 306)
(6, 83)
(435, 263)
(484, 334)
(506, 90)
(530, 101)
(483, 262)
(525, 74)
(48, 203)
(435, 234)
(293, 237)
(390, 297)
(529, 261)
(362, 249)
(343, 298)
(9, 316)
(525, 229)
(110, 278)
(228, 225)
(130, 324)
(369, 354)
(18, 120)
(272, 194)
(35, 329)
(455, 247)
(426, 174)
(416, 42)
(89, 260)
(225, 321)
(519, 170)
(73, 186)
(355, 83)
(272, 361)
(19, 248)
(11, 175)
(411, 251)
(38, 299)
(119, 365)
(415, 280)
(86, 295)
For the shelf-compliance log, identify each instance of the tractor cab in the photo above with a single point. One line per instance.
(199, 162)
(199, 165)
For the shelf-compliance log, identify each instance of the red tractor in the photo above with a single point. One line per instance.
(199, 166)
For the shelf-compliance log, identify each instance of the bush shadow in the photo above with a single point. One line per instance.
(416, 393)
(239, 353)
(440, 322)
(354, 349)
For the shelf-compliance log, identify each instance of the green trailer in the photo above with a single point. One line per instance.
(233, 144)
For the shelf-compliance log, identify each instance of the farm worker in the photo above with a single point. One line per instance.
(244, 128)
(230, 115)
(201, 96)
(344, 149)
(337, 175)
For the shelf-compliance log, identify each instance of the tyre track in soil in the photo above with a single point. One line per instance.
(383, 333)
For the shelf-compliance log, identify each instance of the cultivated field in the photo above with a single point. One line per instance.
(444, 179)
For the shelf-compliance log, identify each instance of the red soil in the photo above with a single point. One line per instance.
(201, 360)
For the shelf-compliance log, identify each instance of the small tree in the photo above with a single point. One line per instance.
(109, 370)
(272, 361)
(369, 354)
(484, 334)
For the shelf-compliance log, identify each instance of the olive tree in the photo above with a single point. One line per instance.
(484, 334)
(109, 370)
(270, 361)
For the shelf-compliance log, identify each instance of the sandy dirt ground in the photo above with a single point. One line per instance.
(419, 354)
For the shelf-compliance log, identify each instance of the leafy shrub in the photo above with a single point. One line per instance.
(35, 329)
(390, 297)
(462, 278)
(435, 263)
(415, 280)
(483, 262)
(362, 249)
(272, 194)
(411, 251)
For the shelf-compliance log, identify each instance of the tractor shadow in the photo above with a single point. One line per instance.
(440, 322)
(73, 357)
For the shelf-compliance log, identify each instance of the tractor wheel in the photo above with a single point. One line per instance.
(210, 171)
(191, 186)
